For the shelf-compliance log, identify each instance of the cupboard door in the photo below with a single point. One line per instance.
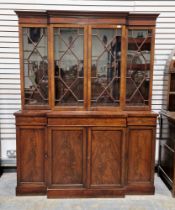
(30, 143)
(140, 155)
(106, 151)
(67, 156)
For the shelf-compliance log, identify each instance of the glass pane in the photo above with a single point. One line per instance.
(105, 69)
(69, 62)
(35, 66)
(138, 67)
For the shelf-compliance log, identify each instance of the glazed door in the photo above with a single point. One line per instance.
(34, 67)
(139, 68)
(87, 67)
(106, 160)
(105, 44)
(69, 67)
(67, 155)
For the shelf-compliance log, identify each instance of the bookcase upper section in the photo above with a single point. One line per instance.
(79, 60)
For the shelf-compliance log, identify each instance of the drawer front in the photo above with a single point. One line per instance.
(31, 121)
(141, 121)
(87, 121)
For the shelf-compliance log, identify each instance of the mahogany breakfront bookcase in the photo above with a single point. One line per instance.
(86, 128)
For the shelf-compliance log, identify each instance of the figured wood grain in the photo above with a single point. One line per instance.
(31, 146)
(140, 155)
(106, 160)
(67, 157)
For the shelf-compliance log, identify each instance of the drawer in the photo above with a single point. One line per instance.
(141, 121)
(31, 120)
(87, 121)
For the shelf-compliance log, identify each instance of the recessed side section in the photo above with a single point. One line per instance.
(30, 160)
(139, 155)
(140, 175)
(32, 148)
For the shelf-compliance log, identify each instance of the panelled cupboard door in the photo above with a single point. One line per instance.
(141, 146)
(105, 149)
(31, 150)
(67, 157)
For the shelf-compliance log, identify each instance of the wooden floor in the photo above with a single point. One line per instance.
(162, 200)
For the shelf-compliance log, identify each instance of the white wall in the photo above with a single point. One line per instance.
(9, 52)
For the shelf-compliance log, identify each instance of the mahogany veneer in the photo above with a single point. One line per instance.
(85, 155)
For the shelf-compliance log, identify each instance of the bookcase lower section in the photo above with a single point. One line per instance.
(85, 154)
